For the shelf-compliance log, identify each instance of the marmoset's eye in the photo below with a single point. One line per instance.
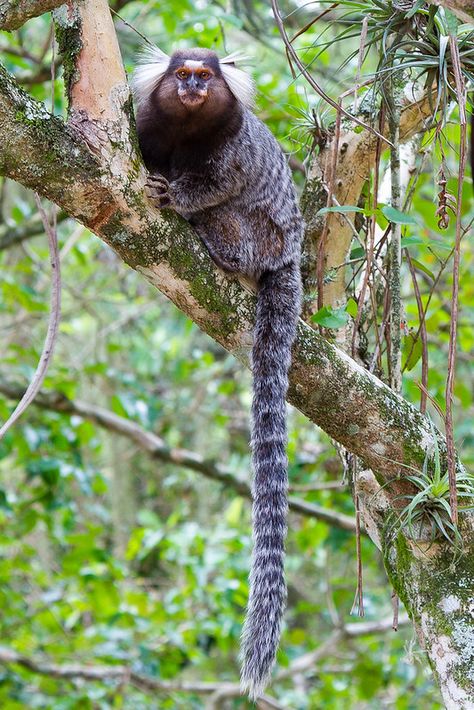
(205, 75)
(182, 74)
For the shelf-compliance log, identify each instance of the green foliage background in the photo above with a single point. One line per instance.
(108, 556)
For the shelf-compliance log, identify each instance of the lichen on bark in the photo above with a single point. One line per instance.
(435, 580)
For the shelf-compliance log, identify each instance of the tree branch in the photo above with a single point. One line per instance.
(349, 631)
(122, 674)
(125, 674)
(11, 236)
(53, 325)
(155, 447)
(14, 14)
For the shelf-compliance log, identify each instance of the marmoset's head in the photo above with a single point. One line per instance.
(191, 79)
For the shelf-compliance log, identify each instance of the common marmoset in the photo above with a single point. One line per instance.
(214, 162)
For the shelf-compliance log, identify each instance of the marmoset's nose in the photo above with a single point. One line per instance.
(192, 82)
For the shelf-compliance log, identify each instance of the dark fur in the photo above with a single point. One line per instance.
(220, 167)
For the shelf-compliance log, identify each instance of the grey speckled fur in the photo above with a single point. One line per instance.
(236, 190)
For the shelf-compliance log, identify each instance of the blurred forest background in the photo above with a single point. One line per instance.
(124, 511)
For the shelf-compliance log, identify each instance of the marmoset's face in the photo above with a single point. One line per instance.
(194, 78)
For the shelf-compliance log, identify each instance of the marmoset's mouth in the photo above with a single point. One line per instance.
(193, 99)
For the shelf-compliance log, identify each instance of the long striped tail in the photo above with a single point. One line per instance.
(278, 307)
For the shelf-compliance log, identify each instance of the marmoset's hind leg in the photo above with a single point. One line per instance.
(225, 258)
(222, 234)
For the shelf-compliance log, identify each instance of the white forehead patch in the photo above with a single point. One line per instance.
(193, 64)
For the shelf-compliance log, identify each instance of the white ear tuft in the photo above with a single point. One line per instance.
(153, 63)
(238, 81)
(233, 57)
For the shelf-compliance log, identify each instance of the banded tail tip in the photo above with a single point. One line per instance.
(256, 668)
(252, 685)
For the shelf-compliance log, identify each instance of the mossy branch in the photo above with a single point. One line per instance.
(14, 13)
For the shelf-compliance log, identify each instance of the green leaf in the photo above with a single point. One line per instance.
(394, 215)
(26, 522)
(357, 253)
(417, 6)
(352, 307)
(329, 318)
(4, 504)
(412, 350)
(412, 242)
(234, 511)
(452, 22)
(47, 468)
(343, 209)
(117, 406)
(423, 268)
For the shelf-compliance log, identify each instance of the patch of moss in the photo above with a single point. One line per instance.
(48, 143)
(69, 42)
(203, 289)
(129, 112)
(313, 197)
(397, 558)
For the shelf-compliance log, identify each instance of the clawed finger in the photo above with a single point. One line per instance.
(159, 200)
(157, 184)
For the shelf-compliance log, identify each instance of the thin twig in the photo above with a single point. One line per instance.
(428, 301)
(358, 604)
(311, 487)
(130, 26)
(309, 24)
(450, 448)
(53, 325)
(433, 401)
(423, 334)
(22, 53)
(395, 251)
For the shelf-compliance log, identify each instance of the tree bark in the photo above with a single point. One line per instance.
(14, 13)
